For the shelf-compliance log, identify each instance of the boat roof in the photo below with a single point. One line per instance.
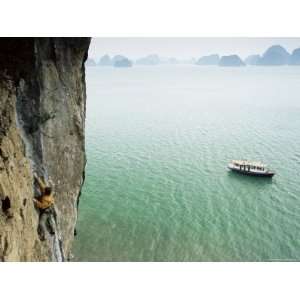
(247, 162)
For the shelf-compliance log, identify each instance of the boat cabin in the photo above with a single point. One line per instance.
(248, 165)
(250, 168)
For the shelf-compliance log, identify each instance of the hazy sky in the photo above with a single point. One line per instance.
(183, 48)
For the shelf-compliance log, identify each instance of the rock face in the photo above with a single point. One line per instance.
(231, 61)
(120, 61)
(209, 60)
(42, 114)
(295, 57)
(150, 60)
(90, 63)
(253, 60)
(275, 56)
(105, 61)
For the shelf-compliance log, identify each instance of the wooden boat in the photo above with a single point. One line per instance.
(250, 168)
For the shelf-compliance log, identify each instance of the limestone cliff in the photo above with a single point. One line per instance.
(42, 114)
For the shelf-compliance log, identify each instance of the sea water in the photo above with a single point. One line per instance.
(158, 141)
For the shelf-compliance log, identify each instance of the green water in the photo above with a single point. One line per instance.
(158, 141)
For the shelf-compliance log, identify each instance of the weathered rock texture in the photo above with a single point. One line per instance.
(42, 114)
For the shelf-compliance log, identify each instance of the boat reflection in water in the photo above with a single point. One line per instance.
(250, 168)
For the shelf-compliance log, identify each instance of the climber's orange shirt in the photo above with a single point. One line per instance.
(45, 202)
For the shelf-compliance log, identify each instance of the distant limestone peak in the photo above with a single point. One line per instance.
(150, 60)
(295, 57)
(105, 61)
(275, 56)
(231, 61)
(213, 59)
(120, 61)
(252, 60)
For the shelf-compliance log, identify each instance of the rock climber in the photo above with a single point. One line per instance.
(45, 204)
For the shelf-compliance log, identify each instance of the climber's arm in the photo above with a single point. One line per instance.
(41, 183)
(37, 203)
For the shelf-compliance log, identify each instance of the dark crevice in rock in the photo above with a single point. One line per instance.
(5, 204)
(79, 195)
(22, 214)
(16, 57)
(5, 248)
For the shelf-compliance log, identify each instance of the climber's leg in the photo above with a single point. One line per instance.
(41, 226)
(51, 221)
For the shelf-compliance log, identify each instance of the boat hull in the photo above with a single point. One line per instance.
(251, 173)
